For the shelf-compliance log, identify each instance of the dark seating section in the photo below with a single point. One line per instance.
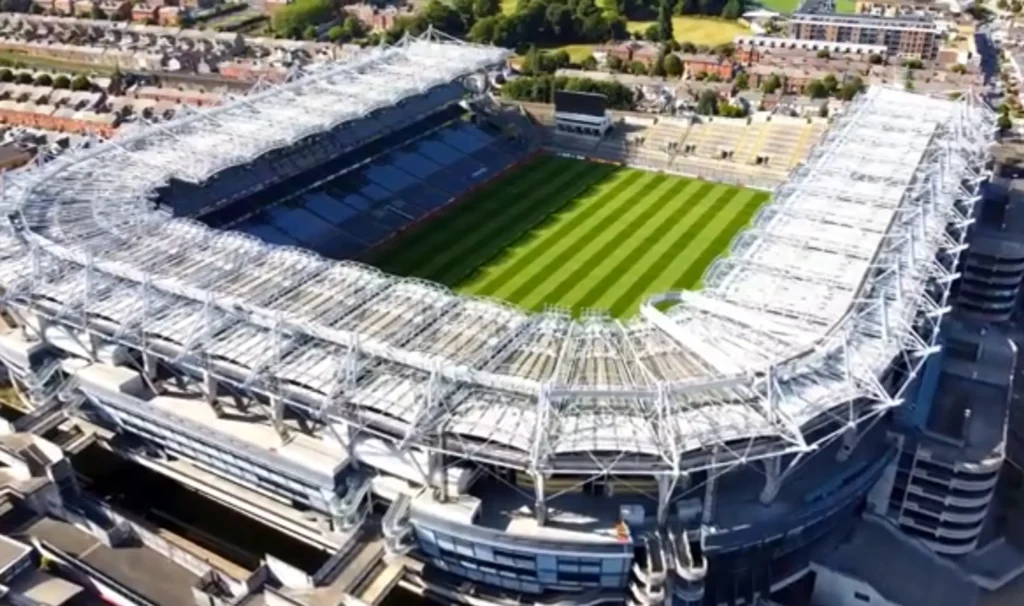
(314, 153)
(389, 188)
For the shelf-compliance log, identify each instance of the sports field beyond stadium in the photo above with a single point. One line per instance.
(578, 235)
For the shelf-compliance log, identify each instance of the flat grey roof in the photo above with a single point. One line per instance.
(11, 551)
(909, 574)
(140, 569)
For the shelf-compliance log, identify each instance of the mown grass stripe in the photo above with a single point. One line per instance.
(396, 258)
(639, 287)
(527, 263)
(687, 208)
(686, 271)
(553, 261)
(647, 209)
(492, 243)
(461, 243)
(693, 274)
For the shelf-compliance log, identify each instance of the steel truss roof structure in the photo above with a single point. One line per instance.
(844, 273)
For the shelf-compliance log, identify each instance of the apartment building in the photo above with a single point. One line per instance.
(907, 37)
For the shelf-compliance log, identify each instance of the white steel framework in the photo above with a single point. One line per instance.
(796, 328)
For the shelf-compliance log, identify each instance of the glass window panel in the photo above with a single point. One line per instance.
(546, 562)
(485, 553)
(612, 565)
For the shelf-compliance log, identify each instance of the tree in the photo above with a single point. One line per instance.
(1004, 122)
(443, 17)
(80, 83)
(728, 110)
(590, 63)
(486, 8)
(291, 20)
(653, 33)
(637, 68)
(824, 54)
(959, 68)
(44, 80)
(687, 7)
(310, 33)
(913, 64)
(742, 81)
(707, 103)
(876, 59)
(6, 75)
(353, 28)
(673, 66)
(336, 33)
(665, 21)
(823, 111)
(772, 84)
(614, 63)
(732, 10)
(850, 88)
(24, 78)
(542, 88)
(61, 81)
(830, 82)
(658, 67)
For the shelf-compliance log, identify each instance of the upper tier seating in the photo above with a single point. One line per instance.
(375, 191)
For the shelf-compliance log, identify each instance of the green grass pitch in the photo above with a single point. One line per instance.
(576, 234)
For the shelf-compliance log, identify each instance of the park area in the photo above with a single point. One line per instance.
(577, 234)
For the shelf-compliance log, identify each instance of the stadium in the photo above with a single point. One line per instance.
(693, 446)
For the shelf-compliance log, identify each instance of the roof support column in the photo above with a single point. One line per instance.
(540, 504)
(772, 480)
(438, 474)
(666, 487)
(277, 417)
(210, 388)
(150, 365)
(708, 513)
(850, 440)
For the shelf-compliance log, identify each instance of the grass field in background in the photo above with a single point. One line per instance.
(698, 30)
(577, 234)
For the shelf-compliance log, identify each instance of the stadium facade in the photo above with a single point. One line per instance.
(700, 453)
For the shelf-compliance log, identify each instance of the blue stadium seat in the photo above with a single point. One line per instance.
(388, 177)
(439, 152)
(415, 164)
(330, 209)
(268, 233)
(374, 192)
(357, 202)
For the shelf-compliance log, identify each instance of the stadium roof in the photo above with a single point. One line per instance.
(796, 327)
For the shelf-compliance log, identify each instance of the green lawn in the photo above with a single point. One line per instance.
(707, 31)
(577, 234)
